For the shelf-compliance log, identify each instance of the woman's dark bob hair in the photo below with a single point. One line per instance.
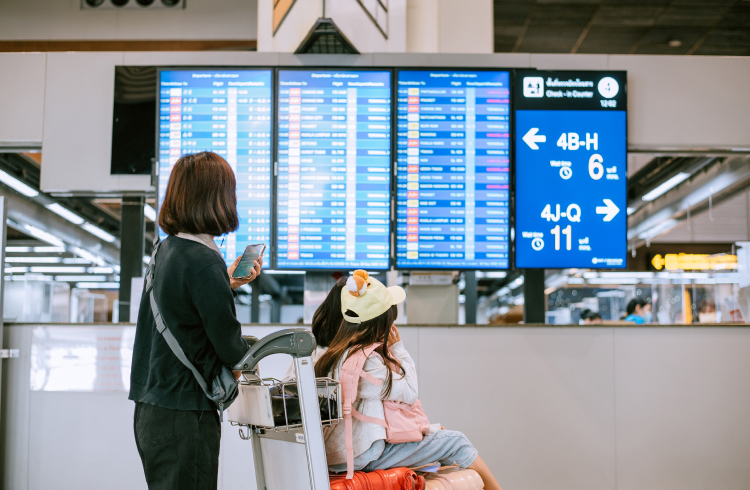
(201, 197)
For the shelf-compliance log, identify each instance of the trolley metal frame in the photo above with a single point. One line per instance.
(299, 343)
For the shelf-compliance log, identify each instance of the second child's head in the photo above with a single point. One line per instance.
(327, 319)
(369, 311)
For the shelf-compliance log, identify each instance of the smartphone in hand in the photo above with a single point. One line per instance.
(250, 255)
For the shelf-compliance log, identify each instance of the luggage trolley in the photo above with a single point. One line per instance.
(287, 442)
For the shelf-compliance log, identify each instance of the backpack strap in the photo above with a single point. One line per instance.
(351, 371)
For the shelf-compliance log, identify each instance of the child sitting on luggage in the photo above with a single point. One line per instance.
(369, 311)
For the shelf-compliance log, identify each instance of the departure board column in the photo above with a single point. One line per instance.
(333, 198)
(351, 174)
(453, 167)
(227, 112)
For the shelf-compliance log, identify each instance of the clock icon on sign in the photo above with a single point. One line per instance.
(608, 87)
(537, 244)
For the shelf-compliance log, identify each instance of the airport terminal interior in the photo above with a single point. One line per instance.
(560, 189)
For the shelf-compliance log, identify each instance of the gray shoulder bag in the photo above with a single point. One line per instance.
(224, 386)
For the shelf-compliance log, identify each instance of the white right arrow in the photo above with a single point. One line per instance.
(531, 138)
(609, 209)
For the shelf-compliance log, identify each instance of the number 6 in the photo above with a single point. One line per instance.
(596, 170)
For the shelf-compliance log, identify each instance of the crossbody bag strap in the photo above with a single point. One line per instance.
(161, 325)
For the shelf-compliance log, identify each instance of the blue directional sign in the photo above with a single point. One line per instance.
(571, 170)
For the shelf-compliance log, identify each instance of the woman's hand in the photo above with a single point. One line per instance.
(241, 281)
(394, 336)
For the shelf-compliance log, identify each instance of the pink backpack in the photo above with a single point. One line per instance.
(403, 423)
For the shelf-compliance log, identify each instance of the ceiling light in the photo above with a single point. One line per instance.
(75, 260)
(665, 186)
(630, 211)
(495, 275)
(95, 230)
(58, 270)
(149, 212)
(80, 278)
(675, 43)
(518, 301)
(16, 184)
(16, 270)
(503, 291)
(101, 270)
(575, 280)
(516, 282)
(18, 249)
(98, 285)
(68, 215)
(48, 250)
(43, 235)
(589, 275)
(89, 256)
(146, 259)
(33, 260)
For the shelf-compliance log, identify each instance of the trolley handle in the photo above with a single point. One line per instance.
(297, 342)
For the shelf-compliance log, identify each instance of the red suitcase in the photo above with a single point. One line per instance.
(393, 479)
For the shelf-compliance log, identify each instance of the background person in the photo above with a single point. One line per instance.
(588, 317)
(177, 429)
(639, 311)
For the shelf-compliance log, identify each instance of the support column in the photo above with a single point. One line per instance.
(132, 249)
(255, 301)
(470, 293)
(533, 296)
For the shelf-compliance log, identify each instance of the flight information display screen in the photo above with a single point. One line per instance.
(334, 147)
(453, 162)
(571, 169)
(228, 112)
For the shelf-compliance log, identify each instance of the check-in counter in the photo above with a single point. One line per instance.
(548, 407)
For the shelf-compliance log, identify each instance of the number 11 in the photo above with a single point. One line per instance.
(568, 237)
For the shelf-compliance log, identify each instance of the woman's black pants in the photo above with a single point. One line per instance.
(179, 448)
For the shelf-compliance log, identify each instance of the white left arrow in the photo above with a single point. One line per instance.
(531, 138)
(609, 210)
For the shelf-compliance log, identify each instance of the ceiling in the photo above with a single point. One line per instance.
(676, 27)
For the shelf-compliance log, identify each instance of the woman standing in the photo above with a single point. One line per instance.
(177, 429)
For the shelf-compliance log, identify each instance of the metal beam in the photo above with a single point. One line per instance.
(470, 294)
(132, 249)
(717, 183)
(533, 296)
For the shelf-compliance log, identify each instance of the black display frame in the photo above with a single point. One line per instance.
(391, 229)
(511, 168)
(155, 171)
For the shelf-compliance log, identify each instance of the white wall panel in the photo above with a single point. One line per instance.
(683, 399)
(673, 101)
(548, 408)
(207, 58)
(466, 27)
(686, 101)
(64, 20)
(77, 142)
(537, 403)
(22, 99)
